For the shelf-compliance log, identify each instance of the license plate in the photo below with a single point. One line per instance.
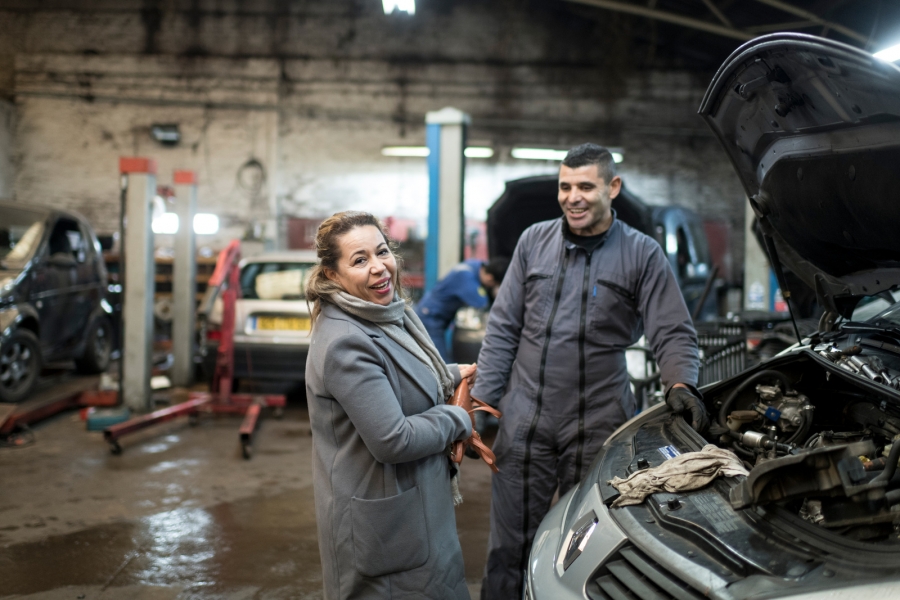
(282, 324)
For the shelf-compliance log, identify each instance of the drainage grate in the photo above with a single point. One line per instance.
(630, 575)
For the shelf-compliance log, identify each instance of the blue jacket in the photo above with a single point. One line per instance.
(460, 287)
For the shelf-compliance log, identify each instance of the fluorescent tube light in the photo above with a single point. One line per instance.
(538, 153)
(479, 152)
(206, 223)
(165, 223)
(423, 151)
(414, 151)
(889, 54)
(407, 6)
(551, 154)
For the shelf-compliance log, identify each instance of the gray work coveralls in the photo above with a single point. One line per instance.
(553, 358)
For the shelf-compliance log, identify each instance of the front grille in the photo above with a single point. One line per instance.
(630, 575)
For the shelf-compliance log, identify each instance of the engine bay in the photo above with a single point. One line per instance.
(819, 431)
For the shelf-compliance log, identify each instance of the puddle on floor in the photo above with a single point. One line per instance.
(267, 543)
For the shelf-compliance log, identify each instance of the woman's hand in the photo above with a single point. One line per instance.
(468, 373)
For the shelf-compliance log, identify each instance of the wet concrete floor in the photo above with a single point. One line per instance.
(179, 514)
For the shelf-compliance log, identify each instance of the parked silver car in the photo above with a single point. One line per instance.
(272, 321)
(813, 129)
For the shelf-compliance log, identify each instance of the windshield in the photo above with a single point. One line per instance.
(890, 317)
(20, 233)
(275, 280)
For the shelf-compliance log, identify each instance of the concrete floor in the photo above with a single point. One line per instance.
(180, 514)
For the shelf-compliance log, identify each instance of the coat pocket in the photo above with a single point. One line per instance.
(389, 534)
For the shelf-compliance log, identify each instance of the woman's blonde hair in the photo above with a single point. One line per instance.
(319, 287)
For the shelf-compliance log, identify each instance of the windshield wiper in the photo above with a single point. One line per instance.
(853, 326)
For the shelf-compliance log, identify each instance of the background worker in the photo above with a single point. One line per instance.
(468, 284)
(579, 291)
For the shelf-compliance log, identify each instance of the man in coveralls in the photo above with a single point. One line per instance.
(578, 292)
(467, 284)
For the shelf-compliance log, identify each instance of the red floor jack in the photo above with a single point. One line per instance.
(225, 280)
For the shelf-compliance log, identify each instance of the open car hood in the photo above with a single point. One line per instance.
(534, 199)
(812, 128)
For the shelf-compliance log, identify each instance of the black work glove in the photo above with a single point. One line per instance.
(682, 399)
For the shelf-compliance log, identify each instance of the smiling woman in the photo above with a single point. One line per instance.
(377, 391)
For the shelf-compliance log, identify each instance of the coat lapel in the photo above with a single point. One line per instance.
(409, 364)
(402, 358)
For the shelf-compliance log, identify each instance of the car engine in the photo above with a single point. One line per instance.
(820, 433)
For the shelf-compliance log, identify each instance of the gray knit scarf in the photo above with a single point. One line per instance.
(400, 323)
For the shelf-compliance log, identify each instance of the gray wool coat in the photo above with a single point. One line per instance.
(384, 509)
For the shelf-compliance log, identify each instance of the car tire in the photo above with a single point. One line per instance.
(98, 344)
(20, 365)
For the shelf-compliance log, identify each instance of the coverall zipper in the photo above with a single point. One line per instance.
(523, 563)
(581, 374)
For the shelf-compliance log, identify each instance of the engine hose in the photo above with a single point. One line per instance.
(805, 426)
(723, 412)
(742, 451)
(890, 465)
(892, 497)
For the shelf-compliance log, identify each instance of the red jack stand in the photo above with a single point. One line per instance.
(77, 393)
(219, 399)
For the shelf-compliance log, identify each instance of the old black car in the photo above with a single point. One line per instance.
(52, 296)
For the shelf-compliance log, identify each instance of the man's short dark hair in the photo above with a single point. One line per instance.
(496, 268)
(592, 154)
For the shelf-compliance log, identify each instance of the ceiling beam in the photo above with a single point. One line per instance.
(792, 26)
(719, 14)
(805, 14)
(660, 15)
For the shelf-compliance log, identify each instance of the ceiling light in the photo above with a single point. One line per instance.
(423, 151)
(889, 54)
(407, 6)
(538, 153)
(165, 223)
(551, 154)
(206, 224)
(414, 151)
(479, 152)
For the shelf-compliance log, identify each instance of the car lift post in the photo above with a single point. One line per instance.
(225, 280)
(184, 279)
(136, 272)
(445, 135)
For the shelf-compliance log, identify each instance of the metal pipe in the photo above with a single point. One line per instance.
(659, 15)
(805, 14)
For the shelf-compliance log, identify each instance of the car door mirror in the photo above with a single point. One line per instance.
(62, 259)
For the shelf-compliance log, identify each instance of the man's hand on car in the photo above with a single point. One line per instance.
(680, 399)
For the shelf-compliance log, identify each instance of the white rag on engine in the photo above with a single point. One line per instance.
(685, 472)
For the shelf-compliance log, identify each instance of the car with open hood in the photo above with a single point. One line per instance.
(812, 128)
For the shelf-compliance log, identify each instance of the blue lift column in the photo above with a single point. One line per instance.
(445, 135)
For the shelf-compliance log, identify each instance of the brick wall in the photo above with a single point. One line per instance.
(311, 91)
